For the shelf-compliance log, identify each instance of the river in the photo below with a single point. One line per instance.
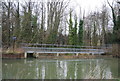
(60, 68)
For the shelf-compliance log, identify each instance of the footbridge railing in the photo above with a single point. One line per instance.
(72, 49)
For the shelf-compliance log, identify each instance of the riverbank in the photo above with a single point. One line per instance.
(13, 56)
(16, 53)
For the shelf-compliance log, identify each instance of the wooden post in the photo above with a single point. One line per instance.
(57, 54)
(76, 54)
(25, 55)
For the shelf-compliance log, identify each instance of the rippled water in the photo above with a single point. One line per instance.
(60, 69)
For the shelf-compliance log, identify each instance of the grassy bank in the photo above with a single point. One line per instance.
(12, 51)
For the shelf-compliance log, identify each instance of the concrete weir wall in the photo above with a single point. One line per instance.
(60, 55)
(36, 55)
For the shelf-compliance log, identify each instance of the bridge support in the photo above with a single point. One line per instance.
(25, 55)
(77, 54)
(36, 55)
(57, 54)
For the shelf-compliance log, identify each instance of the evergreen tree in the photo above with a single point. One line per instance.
(117, 32)
(34, 29)
(70, 30)
(116, 21)
(26, 24)
(94, 35)
(75, 32)
(80, 33)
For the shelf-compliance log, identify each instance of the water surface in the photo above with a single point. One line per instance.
(60, 69)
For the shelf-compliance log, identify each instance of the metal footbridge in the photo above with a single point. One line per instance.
(63, 49)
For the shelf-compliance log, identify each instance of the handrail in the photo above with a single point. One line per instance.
(43, 48)
(57, 45)
(64, 52)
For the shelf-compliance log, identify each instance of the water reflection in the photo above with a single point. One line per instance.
(60, 69)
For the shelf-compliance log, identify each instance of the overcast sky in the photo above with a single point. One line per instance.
(88, 5)
(85, 5)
